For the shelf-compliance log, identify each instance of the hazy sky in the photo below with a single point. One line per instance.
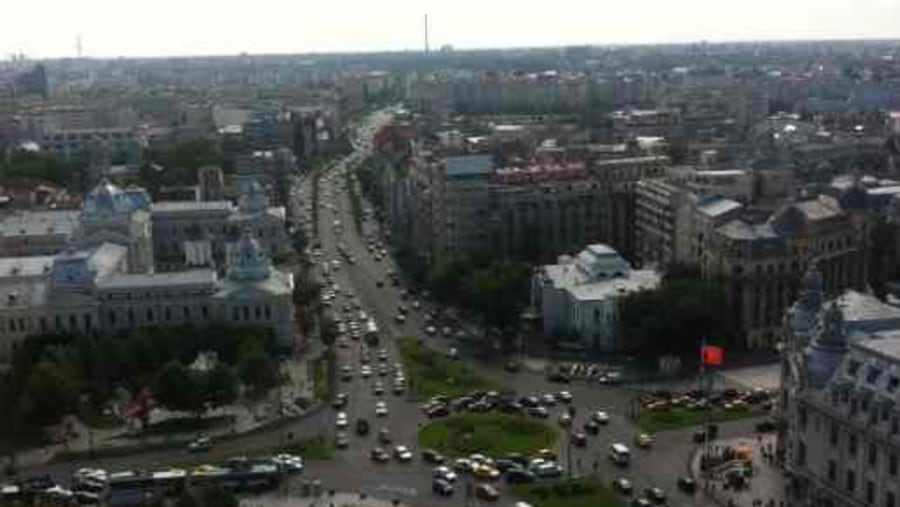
(49, 28)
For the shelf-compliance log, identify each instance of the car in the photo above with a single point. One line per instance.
(579, 439)
(398, 389)
(200, 444)
(641, 502)
(362, 427)
(416, 304)
(623, 486)
(462, 465)
(546, 454)
(340, 400)
(487, 492)
(365, 371)
(564, 420)
(341, 441)
(600, 417)
(379, 455)
(484, 471)
(591, 427)
(382, 370)
(687, 485)
(381, 409)
(643, 440)
(512, 366)
(539, 412)
(519, 476)
(439, 410)
(548, 400)
(564, 396)
(403, 454)
(558, 377)
(547, 469)
(431, 330)
(453, 354)
(383, 355)
(529, 401)
(766, 426)
(656, 495)
(445, 473)
(379, 283)
(433, 457)
(378, 389)
(400, 318)
(346, 373)
(384, 436)
(442, 487)
(341, 421)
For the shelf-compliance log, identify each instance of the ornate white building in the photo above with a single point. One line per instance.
(107, 278)
(839, 431)
(92, 291)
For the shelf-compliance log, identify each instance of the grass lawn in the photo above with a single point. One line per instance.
(682, 418)
(487, 433)
(313, 448)
(431, 373)
(585, 492)
(322, 378)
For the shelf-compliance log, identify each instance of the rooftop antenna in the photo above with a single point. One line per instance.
(426, 34)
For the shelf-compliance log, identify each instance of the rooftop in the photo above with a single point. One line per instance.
(717, 206)
(643, 279)
(36, 223)
(857, 306)
(739, 230)
(25, 267)
(468, 165)
(189, 206)
(159, 280)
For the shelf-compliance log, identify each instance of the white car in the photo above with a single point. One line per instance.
(289, 462)
(444, 472)
(341, 421)
(365, 371)
(601, 417)
(381, 409)
(564, 396)
(402, 453)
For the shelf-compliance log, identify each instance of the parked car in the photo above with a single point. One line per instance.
(200, 444)
(687, 485)
(433, 457)
(362, 427)
(442, 487)
(656, 495)
(487, 492)
(623, 486)
(379, 455)
(519, 476)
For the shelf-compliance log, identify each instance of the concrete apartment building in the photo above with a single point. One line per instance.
(839, 426)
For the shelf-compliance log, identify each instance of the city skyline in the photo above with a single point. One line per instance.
(108, 29)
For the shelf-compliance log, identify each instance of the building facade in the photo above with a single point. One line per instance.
(839, 431)
(577, 297)
(92, 291)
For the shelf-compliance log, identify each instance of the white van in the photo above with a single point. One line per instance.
(619, 454)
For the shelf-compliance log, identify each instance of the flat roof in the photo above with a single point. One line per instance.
(468, 165)
(642, 279)
(189, 206)
(170, 279)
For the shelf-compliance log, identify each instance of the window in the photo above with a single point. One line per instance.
(205, 312)
(268, 312)
(246, 313)
(43, 323)
(801, 453)
(873, 454)
(892, 384)
(803, 416)
(851, 481)
(235, 314)
(870, 492)
(890, 500)
(257, 312)
(832, 470)
(149, 314)
(892, 464)
(895, 425)
(73, 322)
(833, 436)
(873, 375)
(168, 313)
(130, 316)
(851, 445)
(853, 368)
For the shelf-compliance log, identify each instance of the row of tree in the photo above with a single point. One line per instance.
(43, 167)
(55, 375)
(674, 318)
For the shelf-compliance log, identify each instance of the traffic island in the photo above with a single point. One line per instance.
(582, 492)
(431, 374)
(492, 434)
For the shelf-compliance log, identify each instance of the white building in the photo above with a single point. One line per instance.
(578, 296)
(92, 290)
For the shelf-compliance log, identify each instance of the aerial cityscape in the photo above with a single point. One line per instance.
(605, 275)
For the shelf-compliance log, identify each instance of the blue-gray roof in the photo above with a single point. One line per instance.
(468, 165)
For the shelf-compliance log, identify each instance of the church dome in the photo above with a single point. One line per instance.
(247, 260)
(253, 197)
(106, 199)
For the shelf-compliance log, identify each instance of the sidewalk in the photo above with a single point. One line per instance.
(294, 499)
(765, 485)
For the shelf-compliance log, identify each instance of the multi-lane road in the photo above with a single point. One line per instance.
(351, 469)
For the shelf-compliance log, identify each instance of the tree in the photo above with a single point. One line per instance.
(256, 369)
(221, 386)
(49, 394)
(328, 331)
(178, 388)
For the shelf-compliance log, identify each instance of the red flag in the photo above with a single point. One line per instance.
(711, 354)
